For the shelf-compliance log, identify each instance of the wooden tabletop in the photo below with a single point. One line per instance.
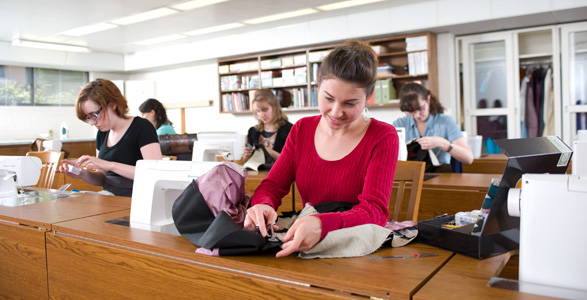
(390, 278)
(461, 181)
(44, 214)
(464, 277)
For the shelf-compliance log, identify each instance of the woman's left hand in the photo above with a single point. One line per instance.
(431, 142)
(94, 163)
(302, 236)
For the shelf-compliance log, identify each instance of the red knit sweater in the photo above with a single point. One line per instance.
(364, 176)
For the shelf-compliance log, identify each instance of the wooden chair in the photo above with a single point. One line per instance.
(409, 176)
(51, 160)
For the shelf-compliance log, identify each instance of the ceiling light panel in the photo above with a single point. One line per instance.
(149, 15)
(287, 15)
(196, 4)
(345, 4)
(162, 39)
(214, 29)
(84, 30)
(49, 46)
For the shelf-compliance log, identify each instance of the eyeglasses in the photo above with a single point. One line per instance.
(93, 116)
(418, 110)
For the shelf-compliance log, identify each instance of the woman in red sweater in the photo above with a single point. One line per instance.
(339, 155)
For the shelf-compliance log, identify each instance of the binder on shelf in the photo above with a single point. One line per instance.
(377, 97)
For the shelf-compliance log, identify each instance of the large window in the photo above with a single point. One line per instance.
(37, 86)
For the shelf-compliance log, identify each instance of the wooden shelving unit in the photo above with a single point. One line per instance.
(291, 74)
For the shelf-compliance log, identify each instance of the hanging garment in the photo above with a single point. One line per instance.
(548, 105)
(531, 116)
(218, 231)
(523, 90)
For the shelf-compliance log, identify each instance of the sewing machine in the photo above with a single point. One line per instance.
(18, 171)
(156, 185)
(228, 144)
(552, 244)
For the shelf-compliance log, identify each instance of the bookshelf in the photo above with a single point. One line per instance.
(291, 74)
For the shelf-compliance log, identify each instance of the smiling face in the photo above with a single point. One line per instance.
(341, 103)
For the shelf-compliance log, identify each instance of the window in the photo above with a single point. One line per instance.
(38, 86)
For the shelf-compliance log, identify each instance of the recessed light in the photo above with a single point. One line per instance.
(291, 14)
(49, 46)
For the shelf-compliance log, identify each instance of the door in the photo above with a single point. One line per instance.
(574, 83)
(488, 88)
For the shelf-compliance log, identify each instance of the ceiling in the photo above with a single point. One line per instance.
(43, 20)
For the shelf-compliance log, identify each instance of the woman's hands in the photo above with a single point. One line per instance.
(85, 162)
(431, 142)
(258, 216)
(302, 236)
(247, 152)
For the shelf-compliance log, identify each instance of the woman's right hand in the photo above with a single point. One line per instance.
(258, 216)
(64, 168)
(247, 152)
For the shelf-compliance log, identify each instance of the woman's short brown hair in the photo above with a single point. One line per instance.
(353, 62)
(267, 96)
(104, 92)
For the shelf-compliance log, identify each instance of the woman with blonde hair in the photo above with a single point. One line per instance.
(272, 128)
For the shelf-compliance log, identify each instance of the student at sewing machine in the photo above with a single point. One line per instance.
(121, 140)
(340, 155)
(155, 112)
(272, 128)
(425, 122)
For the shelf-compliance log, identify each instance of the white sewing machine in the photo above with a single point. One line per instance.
(552, 240)
(18, 171)
(156, 185)
(228, 144)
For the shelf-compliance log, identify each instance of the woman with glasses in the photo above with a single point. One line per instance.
(425, 122)
(121, 140)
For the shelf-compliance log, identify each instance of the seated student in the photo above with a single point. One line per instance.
(154, 111)
(434, 130)
(340, 155)
(120, 141)
(272, 129)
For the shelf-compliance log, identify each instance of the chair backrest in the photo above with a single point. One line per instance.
(409, 175)
(50, 160)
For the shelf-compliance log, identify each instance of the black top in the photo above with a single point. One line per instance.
(280, 138)
(127, 151)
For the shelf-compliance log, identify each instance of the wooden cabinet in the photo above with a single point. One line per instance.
(292, 74)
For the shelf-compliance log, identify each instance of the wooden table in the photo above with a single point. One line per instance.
(487, 164)
(23, 267)
(453, 192)
(88, 257)
(464, 277)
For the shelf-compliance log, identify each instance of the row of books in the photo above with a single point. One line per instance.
(301, 99)
(417, 43)
(237, 82)
(418, 63)
(235, 102)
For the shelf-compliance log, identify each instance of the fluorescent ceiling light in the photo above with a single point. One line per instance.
(50, 46)
(88, 29)
(196, 4)
(214, 29)
(282, 16)
(162, 39)
(149, 15)
(345, 4)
